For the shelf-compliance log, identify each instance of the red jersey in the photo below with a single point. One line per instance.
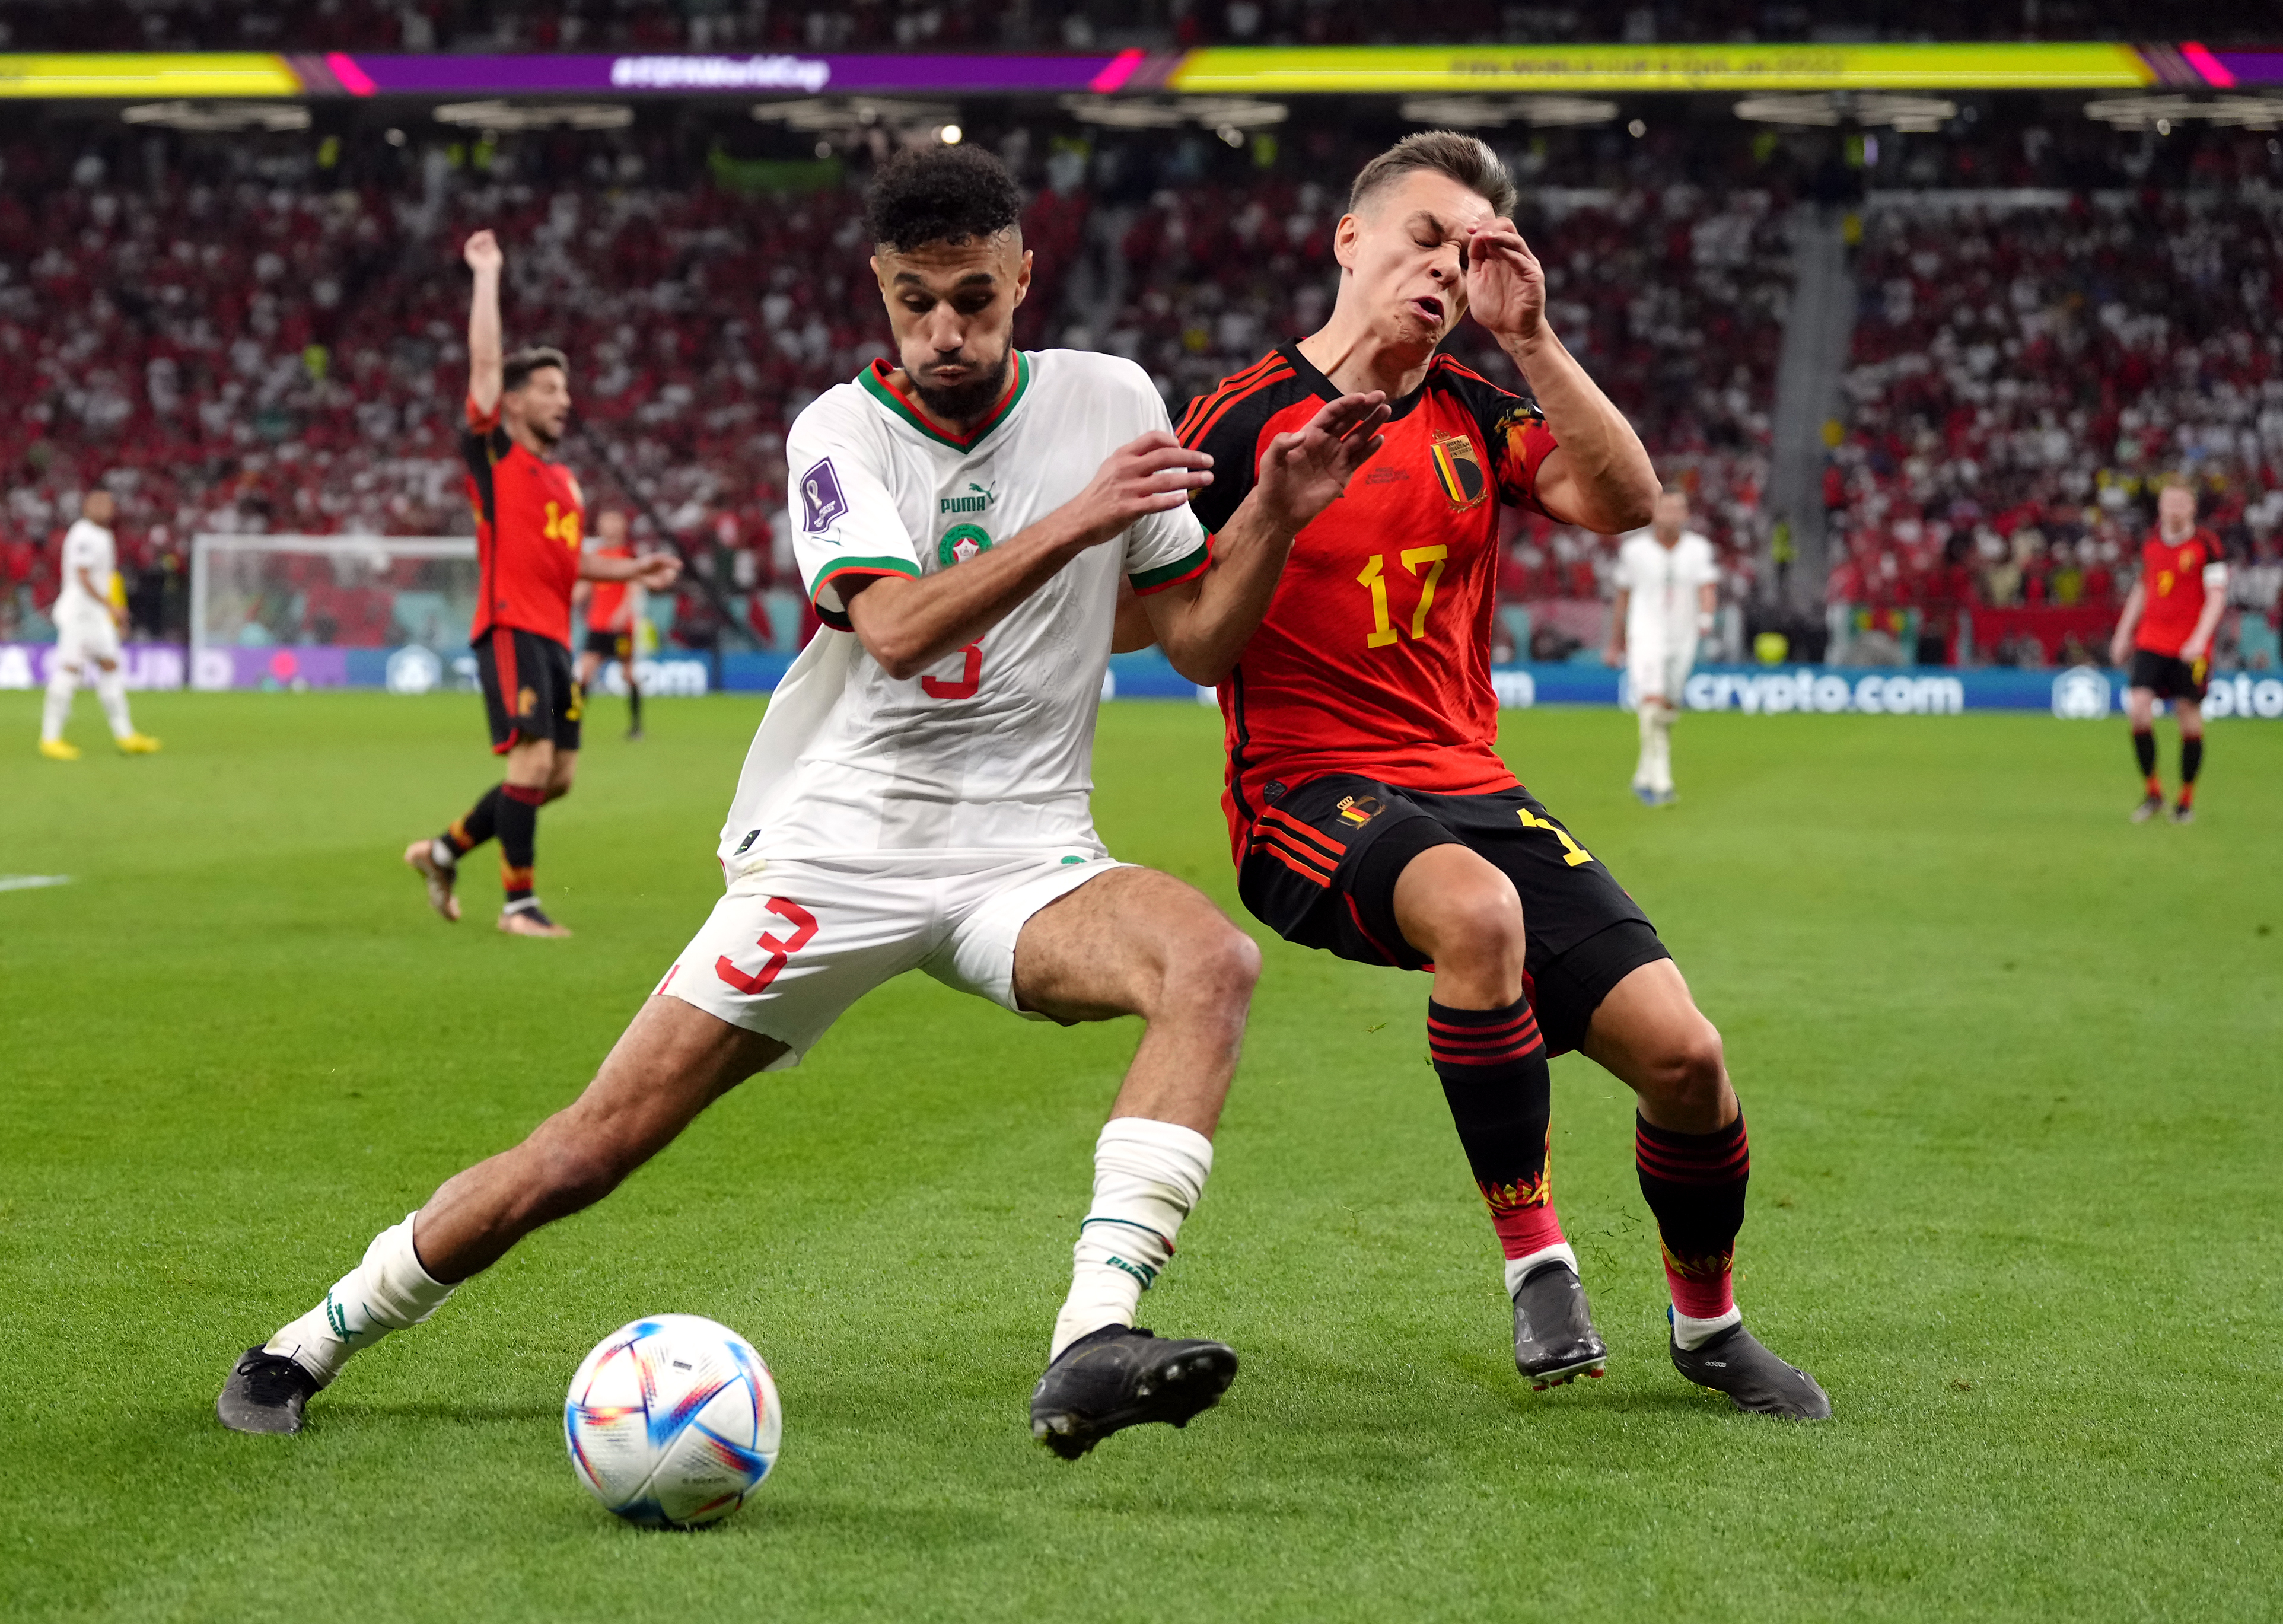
(530, 515)
(1375, 657)
(606, 600)
(2172, 588)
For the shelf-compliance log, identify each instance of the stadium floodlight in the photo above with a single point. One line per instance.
(1214, 112)
(832, 115)
(1488, 112)
(536, 115)
(219, 117)
(2161, 113)
(1912, 114)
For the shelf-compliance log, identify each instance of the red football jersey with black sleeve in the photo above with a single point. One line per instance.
(1375, 654)
(530, 515)
(607, 601)
(2172, 594)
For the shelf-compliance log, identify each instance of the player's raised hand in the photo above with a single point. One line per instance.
(1303, 471)
(483, 253)
(1505, 285)
(1151, 474)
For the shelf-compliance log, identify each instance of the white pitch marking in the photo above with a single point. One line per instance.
(32, 882)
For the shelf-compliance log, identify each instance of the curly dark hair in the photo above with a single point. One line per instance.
(940, 194)
(517, 369)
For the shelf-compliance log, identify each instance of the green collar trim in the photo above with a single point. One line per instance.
(875, 380)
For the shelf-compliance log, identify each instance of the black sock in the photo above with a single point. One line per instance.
(634, 703)
(2192, 762)
(1492, 1063)
(1695, 1186)
(477, 825)
(519, 833)
(2144, 753)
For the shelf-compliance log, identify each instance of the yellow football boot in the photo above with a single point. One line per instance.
(138, 744)
(56, 750)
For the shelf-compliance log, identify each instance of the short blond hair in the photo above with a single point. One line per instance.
(1466, 159)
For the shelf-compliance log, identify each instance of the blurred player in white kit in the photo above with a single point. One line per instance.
(1667, 589)
(89, 619)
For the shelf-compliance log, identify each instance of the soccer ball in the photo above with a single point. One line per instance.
(672, 1421)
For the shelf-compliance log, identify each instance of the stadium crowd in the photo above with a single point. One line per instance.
(243, 336)
(2020, 378)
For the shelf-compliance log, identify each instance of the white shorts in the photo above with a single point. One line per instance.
(796, 941)
(1660, 668)
(86, 634)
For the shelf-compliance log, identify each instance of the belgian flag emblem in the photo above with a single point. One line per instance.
(1459, 468)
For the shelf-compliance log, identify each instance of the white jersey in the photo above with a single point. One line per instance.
(87, 546)
(1663, 583)
(992, 750)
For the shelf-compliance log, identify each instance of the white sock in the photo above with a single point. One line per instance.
(1643, 768)
(1661, 752)
(440, 854)
(110, 689)
(1147, 1177)
(62, 680)
(1689, 1333)
(389, 1291)
(1518, 1269)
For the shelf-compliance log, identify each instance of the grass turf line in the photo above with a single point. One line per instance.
(2004, 1057)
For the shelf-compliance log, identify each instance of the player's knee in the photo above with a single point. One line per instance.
(1213, 973)
(1690, 1068)
(1480, 929)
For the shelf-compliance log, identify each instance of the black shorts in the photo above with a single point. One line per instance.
(529, 691)
(2168, 676)
(1319, 869)
(611, 644)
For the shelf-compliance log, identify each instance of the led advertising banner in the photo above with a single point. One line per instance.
(145, 75)
(1216, 70)
(1263, 71)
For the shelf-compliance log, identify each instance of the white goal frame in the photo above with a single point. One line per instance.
(204, 546)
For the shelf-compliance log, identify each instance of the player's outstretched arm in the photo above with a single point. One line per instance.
(2120, 646)
(485, 355)
(1203, 625)
(655, 570)
(1613, 652)
(1600, 475)
(908, 625)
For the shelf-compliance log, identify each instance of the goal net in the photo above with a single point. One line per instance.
(329, 611)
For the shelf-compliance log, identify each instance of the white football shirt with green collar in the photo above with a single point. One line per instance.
(992, 750)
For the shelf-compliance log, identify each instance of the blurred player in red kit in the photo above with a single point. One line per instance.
(614, 609)
(1371, 814)
(530, 521)
(2166, 626)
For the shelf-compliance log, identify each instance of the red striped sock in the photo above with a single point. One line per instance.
(1492, 1063)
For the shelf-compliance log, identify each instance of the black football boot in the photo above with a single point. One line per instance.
(266, 1393)
(1735, 1363)
(1120, 1376)
(1555, 1341)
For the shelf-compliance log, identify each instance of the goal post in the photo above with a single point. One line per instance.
(328, 611)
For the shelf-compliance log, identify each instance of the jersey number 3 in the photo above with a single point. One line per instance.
(804, 924)
(970, 678)
(1374, 577)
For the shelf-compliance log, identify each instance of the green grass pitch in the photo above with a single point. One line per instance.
(2010, 1065)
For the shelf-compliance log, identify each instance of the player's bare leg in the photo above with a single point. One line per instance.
(1459, 910)
(671, 1062)
(1690, 1149)
(1137, 942)
(2140, 711)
